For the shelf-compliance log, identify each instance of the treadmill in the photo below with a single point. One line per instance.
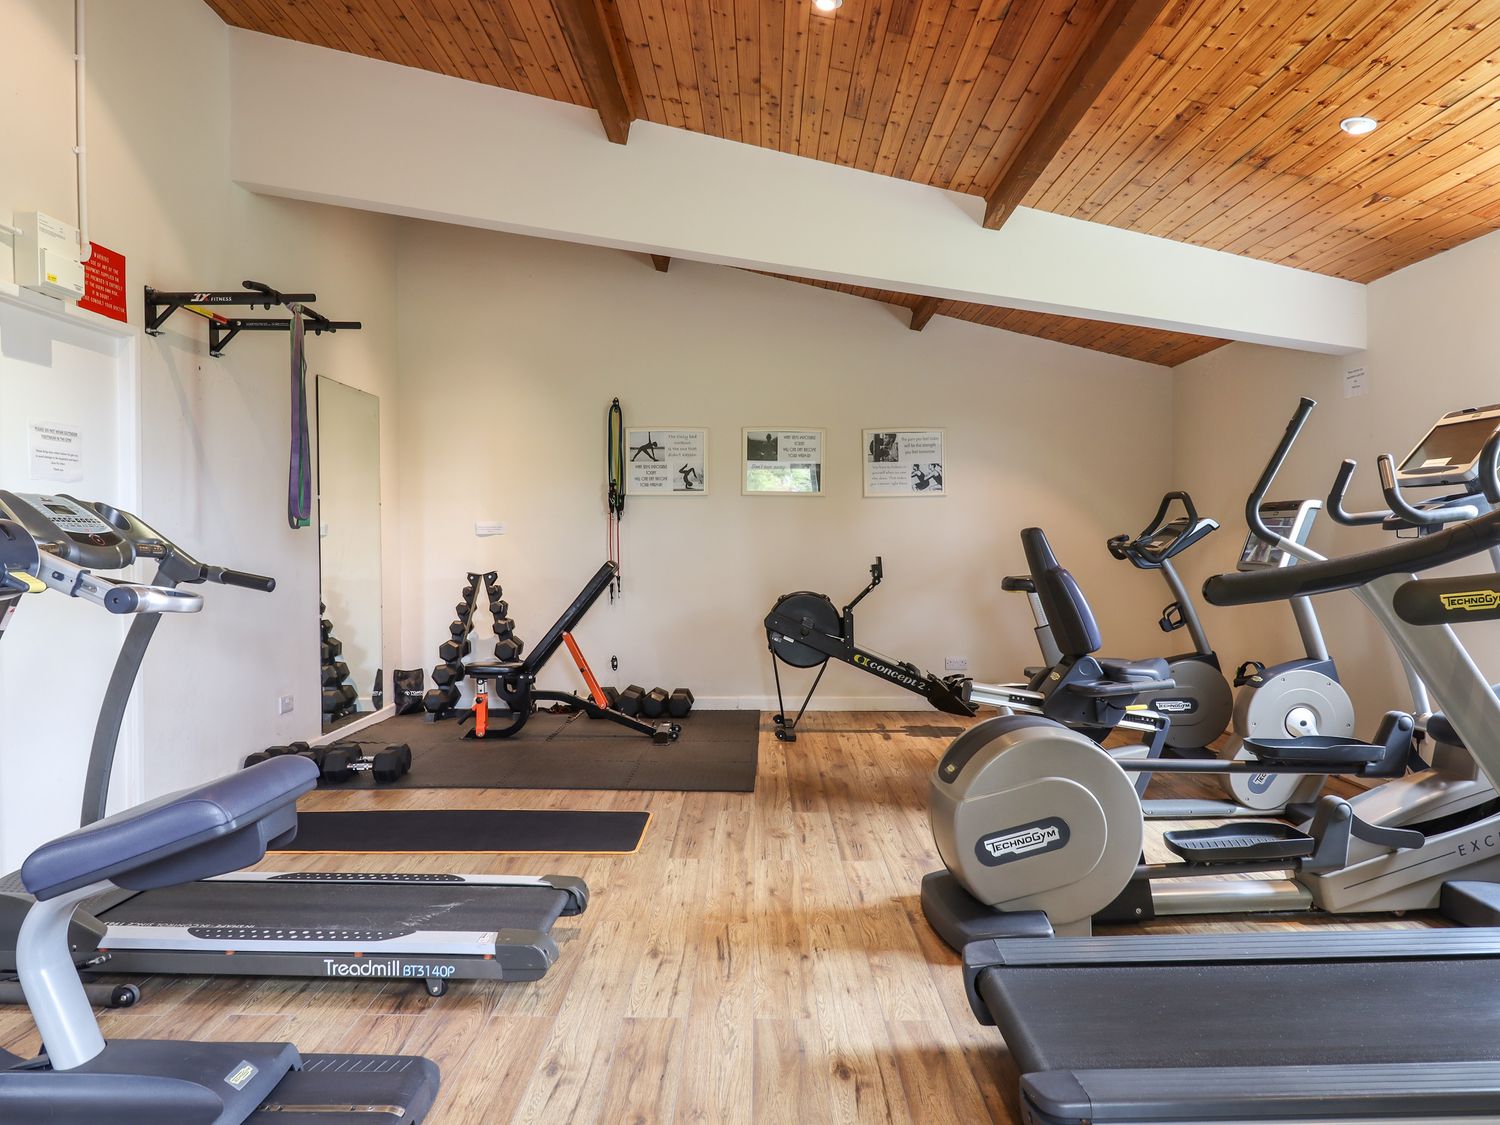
(1372, 1026)
(347, 925)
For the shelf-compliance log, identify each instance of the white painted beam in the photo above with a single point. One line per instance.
(323, 125)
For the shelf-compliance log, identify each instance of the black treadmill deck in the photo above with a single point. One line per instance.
(1398, 1024)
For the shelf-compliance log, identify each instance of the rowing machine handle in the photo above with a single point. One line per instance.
(223, 575)
(1273, 466)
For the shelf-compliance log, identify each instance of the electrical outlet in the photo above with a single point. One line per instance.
(284, 705)
(955, 664)
(483, 529)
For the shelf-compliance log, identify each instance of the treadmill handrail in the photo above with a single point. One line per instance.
(1405, 556)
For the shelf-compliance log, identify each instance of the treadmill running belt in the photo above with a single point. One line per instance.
(429, 831)
(219, 903)
(1247, 1015)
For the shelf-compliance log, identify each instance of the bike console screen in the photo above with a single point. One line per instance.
(1290, 519)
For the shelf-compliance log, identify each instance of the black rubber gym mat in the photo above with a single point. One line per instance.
(716, 752)
(470, 830)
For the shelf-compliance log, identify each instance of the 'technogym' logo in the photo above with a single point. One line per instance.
(1022, 841)
(1471, 600)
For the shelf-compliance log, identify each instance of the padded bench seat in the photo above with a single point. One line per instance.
(1134, 671)
(493, 669)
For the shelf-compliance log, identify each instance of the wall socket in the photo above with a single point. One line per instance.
(483, 529)
(284, 705)
(955, 663)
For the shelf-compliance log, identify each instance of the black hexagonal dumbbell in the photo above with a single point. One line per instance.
(451, 652)
(445, 674)
(654, 702)
(680, 702)
(440, 698)
(504, 627)
(509, 648)
(630, 700)
(499, 607)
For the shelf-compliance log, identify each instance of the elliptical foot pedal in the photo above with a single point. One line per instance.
(1255, 842)
(1314, 749)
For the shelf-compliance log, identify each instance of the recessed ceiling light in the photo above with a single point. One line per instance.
(1358, 126)
(828, 5)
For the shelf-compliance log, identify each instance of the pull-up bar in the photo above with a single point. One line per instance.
(221, 329)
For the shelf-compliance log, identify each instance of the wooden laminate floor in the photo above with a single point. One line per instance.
(762, 958)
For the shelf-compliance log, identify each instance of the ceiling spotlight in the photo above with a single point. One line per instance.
(1358, 126)
(828, 5)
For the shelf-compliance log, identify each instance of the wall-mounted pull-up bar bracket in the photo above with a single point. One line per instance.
(160, 305)
(221, 332)
(221, 329)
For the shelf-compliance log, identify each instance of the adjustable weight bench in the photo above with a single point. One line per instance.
(515, 680)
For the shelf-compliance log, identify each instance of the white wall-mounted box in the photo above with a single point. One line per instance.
(47, 257)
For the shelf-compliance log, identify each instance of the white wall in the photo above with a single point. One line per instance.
(1434, 347)
(511, 349)
(213, 433)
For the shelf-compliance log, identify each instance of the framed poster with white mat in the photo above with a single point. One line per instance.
(781, 462)
(904, 462)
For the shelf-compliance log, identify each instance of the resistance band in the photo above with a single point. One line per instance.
(299, 472)
(615, 454)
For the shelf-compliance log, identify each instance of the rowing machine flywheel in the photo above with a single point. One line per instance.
(814, 613)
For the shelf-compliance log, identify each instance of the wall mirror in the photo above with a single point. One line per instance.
(349, 549)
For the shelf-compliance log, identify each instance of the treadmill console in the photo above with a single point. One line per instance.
(74, 531)
(1449, 454)
(1290, 519)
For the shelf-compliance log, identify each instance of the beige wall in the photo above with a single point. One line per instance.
(1434, 347)
(213, 433)
(511, 349)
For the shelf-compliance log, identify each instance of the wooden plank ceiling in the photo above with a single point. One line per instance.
(1219, 128)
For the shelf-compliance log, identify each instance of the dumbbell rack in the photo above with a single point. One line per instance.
(441, 701)
(340, 696)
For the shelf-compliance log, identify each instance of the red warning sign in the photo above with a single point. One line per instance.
(104, 283)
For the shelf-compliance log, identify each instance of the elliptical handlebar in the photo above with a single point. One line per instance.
(1340, 489)
(1273, 466)
(1390, 484)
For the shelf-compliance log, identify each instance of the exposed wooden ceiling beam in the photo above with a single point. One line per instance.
(1123, 26)
(922, 312)
(598, 48)
(661, 262)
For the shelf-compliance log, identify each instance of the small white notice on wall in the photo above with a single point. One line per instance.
(56, 452)
(662, 462)
(903, 462)
(1356, 382)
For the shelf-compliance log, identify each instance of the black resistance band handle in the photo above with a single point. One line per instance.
(240, 578)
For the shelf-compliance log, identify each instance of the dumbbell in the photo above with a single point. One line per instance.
(391, 764)
(326, 626)
(445, 674)
(654, 702)
(459, 628)
(332, 699)
(440, 698)
(630, 700)
(680, 702)
(333, 648)
(451, 652)
(504, 627)
(349, 692)
(509, 648)
(611, 700)
(499, 607)
(335, 673)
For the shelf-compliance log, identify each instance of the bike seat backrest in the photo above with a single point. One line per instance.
(207, 830)
(1073, 627)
